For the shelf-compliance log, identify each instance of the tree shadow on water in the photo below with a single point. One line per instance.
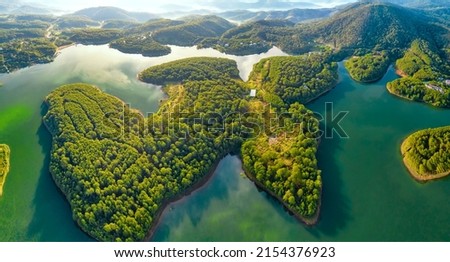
(194, 205)
(335, 208)
(52, 219)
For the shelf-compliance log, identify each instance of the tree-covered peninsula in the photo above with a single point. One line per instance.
(190, 69)
(140, 44)
(18, 54)
(425, 75)
(285, 80)
(425, 153)
(118, 169)
(368, 68)
(4, 165)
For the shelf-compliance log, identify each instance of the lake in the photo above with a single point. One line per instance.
(32, 208)
(368, 195)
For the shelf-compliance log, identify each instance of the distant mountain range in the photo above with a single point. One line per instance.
(418, 3)
(18, 7)
(104, 13)
(380, 26)
(262, 5)
(293, 15)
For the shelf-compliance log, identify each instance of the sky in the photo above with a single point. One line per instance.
(157, 6)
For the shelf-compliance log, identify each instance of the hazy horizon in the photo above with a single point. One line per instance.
(161, 6)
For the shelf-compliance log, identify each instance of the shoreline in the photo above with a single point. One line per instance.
(371, 81)
(367, 81)
(413, 172)
(58, 186)
(309, 221)
(322, 93)
(400, 96)
(60, 48)
(7, 151)
(155, 219)
(202, 182)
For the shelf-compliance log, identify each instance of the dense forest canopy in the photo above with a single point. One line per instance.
(73, 21)
(368, 68)
(192, 31)
(93, 36)
(426, 153)
(248, 38)
(25, 52)
(117, 175)
(190, 69)
(425, 75)
(284, 162)
(140, 44)
(378, 26)
(117, 168)
(284, 80)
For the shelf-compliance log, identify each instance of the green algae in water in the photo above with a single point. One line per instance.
(4, 165)
(13, 116)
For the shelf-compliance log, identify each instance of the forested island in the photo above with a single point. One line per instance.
(368, 68)
(119, 173)
(425, 154)
(5, 153)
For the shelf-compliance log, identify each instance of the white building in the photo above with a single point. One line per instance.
(253, 93)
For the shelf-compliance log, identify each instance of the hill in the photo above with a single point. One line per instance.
(155, 24)
(419, 3)
(378, 26)
(30, 9)
(293, 15)
(104, 13)
(263, 5)
(72, 21)
(193, 30)
(260, 36)
(425, 75)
